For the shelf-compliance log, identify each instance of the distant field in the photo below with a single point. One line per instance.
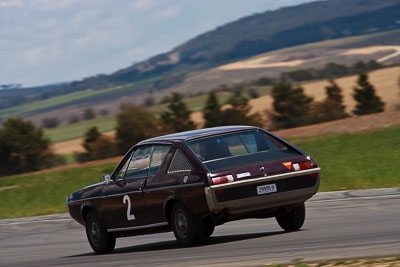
(68, 99)
(368, 159)
(77, 130)
(348, 42)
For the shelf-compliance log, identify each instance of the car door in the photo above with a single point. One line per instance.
(156, 189)
(123, 200)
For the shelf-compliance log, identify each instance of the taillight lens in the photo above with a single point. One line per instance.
(303, 165)
(222, 179)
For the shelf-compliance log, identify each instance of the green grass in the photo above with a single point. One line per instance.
(45, 193)
(69, 159)
(356, 161)
(348, 161)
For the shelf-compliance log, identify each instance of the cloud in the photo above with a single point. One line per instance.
(41, 55)
(143, 5)
(167, 13)
(10, 3)
(84, 16)
(51, 4)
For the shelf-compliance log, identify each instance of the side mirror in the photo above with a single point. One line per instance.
(106, 178)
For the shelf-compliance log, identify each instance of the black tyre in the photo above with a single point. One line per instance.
(188, 229)
(292, 219)
(100, 241)
(208, 230)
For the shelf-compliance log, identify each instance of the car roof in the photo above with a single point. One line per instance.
(189, 135)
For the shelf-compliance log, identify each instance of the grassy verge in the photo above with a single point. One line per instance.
(45, 193)
(348, 161)
(356, 161)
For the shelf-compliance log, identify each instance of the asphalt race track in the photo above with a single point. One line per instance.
(339, 225)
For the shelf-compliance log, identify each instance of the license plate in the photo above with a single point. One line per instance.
(266, 189)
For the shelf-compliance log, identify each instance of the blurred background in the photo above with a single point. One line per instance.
(83, 81)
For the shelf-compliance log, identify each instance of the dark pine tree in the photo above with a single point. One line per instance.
(91, 137)
(134, 125)
(333, 105)
(23, 147)
(239, 112)
(212, 111)
(177, 117)
(291, 106)
(367, 101)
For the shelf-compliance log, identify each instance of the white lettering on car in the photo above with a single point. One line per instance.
(129, 216)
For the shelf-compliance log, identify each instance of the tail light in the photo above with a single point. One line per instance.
(303, 165)
(222, 179)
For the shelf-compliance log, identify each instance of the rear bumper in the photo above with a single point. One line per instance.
(258, 202)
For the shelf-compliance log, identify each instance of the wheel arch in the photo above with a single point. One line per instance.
(85, 208)
(169, 204)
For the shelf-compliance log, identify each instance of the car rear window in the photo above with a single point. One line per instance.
(239, 149)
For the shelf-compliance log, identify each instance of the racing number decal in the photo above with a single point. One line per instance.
(129, 216)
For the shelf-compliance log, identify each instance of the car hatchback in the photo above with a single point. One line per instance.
(192, 181)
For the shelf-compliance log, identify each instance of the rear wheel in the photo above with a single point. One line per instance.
(100, 241)
(188, 229)
(292, 219)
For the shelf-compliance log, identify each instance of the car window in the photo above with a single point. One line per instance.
(249, 140)
(119, 173)
(180, 163)
(139, 163)
(157, 158)
(235, 144)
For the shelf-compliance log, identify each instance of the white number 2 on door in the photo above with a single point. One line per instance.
(129, 216)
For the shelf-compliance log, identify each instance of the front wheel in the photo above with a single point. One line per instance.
(100, 241)
(188, 229)
(292, 219)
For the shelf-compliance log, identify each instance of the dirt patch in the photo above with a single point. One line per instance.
(74, 145)
(370, 49)
(261, 62)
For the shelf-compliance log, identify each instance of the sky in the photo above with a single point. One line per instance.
(51, 41)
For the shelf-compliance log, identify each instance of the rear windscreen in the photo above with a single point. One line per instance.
(239, 149)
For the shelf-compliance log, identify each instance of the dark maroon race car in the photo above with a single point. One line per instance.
(191, 182)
